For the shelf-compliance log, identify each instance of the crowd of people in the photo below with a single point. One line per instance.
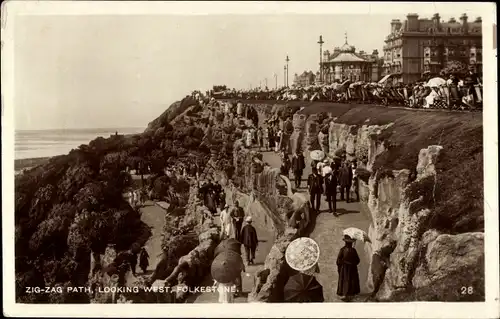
(328, 178)
(269, 136)
(446, 91)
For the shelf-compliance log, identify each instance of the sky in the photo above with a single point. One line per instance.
(91, 71)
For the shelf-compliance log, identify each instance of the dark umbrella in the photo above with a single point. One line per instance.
(228, 244)
(226, 267)
(303, 288)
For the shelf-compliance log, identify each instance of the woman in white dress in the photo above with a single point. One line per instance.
(227, 226)
(248, 138)
(279, 135)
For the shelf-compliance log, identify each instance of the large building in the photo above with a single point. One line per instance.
(346, 63)
(305, 79)
(419, 45)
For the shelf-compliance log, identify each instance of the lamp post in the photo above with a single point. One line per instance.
(320, 42)
(287, 60)
(265, 81)
(284, 76)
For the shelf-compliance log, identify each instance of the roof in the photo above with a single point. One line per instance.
(347, 57)
(347, 48)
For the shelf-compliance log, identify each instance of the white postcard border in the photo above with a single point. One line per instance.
(490, 308)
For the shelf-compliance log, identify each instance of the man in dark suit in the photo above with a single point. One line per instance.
(315, 186)
(345, 181)
(331, 182)
(298, 165)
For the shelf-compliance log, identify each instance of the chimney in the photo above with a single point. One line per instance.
(395, 25)
(465, 24)
(436, 21)
(412, 22)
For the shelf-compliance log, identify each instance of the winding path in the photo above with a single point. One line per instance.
(154, 216)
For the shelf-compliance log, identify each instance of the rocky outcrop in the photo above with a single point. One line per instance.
(363, 143)
(268, 198)
(297, 137)
(422, 264)
(173, 111)
(312, 129)
(410, 260)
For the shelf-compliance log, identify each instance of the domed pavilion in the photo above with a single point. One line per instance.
(347, 64)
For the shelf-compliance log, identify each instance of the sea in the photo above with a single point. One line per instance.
(45, 143)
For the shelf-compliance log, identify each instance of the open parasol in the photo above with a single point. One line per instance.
(228, 244)
(302, 254)
(303, 288)
(326, 170)
(317, 155)
(435, 82)
(356, 233)
(226, 267)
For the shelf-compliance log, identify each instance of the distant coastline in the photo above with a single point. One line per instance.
(26, 163)
(36, 147)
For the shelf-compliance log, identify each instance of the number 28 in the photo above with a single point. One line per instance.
(467, 290)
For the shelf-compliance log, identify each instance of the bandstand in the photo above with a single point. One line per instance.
(346, 64)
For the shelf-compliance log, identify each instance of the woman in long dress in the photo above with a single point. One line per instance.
(229, 229)
(248, 138)
(347, 265)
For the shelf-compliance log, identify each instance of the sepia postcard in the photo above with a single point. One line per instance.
(294, 159)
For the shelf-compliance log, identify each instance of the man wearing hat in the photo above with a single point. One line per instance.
(331, 182)
(345, 181)
(265, 137)
(347, 266)
(315, 186)
(298, 165)
(237, 214)
(249, 240)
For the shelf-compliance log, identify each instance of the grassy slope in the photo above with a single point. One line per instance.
(457, 202)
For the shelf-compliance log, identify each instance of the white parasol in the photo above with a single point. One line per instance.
(356, 233)
(302, 254)
(435, 82)
(326, 170)
(317, 155)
